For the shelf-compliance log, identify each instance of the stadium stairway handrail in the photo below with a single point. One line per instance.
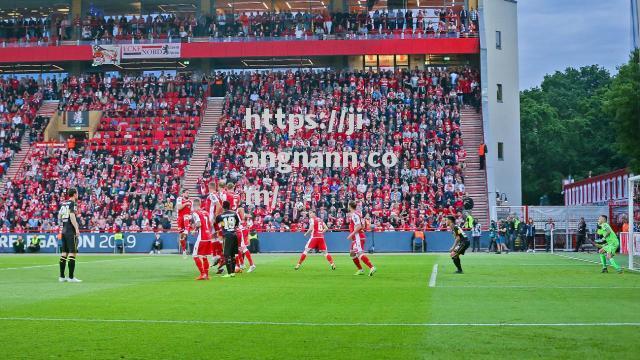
(404, 35)
(45, 144)
(20, 171)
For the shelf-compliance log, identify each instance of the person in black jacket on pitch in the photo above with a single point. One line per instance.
(530, 236)
(581, 234)
(229, 222)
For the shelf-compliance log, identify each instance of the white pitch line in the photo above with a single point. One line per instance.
(589, 261)
(312, 324)
(533, 287)
(547, 265)
(80, 262)
(434, 275)
(575, 258)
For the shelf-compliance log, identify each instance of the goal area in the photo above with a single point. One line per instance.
(630, 234)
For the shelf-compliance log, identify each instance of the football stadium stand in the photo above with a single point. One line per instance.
(19, 102)
(414, 114)
(144, 140)
(128, 171)
(160, 99)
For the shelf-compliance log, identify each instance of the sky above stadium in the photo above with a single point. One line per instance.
(556, 34)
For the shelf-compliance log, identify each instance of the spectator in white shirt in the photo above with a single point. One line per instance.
(17, 119)
(476, 233)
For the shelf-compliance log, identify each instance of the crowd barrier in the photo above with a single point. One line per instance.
(399, 241)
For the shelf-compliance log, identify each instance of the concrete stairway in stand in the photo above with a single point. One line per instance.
(48, 108)
(201, 145)
(17, 161)
(475, 180)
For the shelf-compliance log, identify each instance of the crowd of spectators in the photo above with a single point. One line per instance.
(128, 175)
(130, 190)
(19, 102)
(131, 96)
(25, 29)
(441, 22)
(415, 114)
(447, 21)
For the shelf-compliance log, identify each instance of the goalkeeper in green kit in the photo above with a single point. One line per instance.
(608, 244)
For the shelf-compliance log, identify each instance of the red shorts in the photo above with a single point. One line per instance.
(203, 248)
(317, 243)
(217, 248)
(184, 223)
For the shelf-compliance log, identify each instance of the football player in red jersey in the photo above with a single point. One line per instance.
(212, 203)
(204, 243)
(183, 204)
(233, 198)
(243, 243)
(356, 235)
(317, 228)
(213, 206)
(227, 194)
(218, 256)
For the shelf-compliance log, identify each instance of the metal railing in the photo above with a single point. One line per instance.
(391, 35)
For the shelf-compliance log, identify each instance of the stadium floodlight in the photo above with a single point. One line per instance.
(633, 192)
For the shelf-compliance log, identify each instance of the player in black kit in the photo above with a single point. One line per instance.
(229, 222)
(460, 244)
(69, 232)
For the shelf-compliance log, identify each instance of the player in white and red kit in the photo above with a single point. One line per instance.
(183, 205)
(230, 195)
(225, 193)
(243, 243)
(204, 243)
(211, 202)
(317, 228)
(213, 206)
(357, 237)
(218, 253)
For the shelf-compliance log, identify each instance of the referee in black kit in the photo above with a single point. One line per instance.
(229, 222)
(69, 235)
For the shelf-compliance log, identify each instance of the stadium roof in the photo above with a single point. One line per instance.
(39, 8)
(31, 8)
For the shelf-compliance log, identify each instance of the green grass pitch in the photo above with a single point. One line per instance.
(517, 306)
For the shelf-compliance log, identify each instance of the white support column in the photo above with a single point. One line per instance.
(631, 239)
(568, 244)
